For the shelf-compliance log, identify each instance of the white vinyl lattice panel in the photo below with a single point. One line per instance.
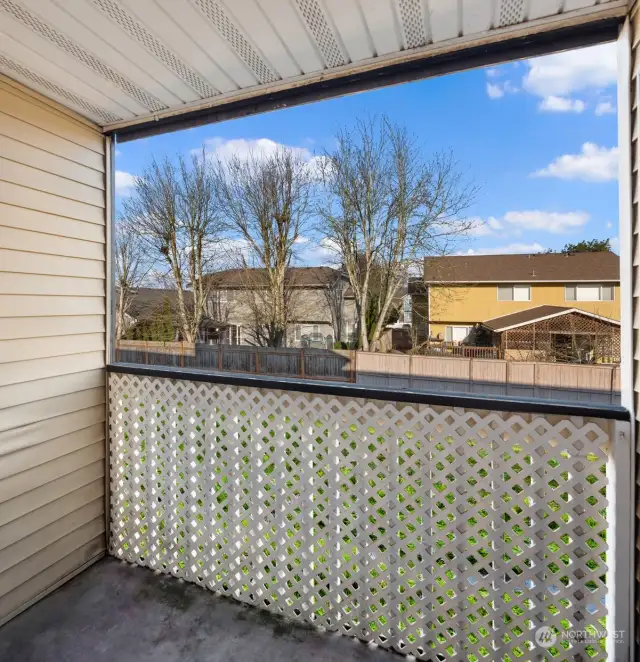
(448, 534)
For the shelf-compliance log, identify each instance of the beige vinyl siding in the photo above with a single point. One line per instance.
(52, 346)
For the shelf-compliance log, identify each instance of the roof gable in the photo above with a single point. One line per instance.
(531, 315)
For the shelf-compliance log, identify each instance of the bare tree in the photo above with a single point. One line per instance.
(386, 206)
(266, 199)
(334, 287)
(132, 268)
(174, 209)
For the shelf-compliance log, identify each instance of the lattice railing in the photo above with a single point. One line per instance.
(441, 533)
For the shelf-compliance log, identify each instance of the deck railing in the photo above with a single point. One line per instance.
(444, 528)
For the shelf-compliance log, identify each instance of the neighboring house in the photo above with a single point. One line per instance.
(457, 293)
(151, 315)
(229, 315)
(236, 292)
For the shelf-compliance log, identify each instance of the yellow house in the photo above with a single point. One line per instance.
(459, 292)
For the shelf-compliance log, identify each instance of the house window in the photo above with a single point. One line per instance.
(457, 333)
(297, 333)
(406, 309)
(514, 293)
(588, 292)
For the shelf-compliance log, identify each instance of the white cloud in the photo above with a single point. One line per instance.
(593, 164)
(481, 228)
(124, 182)
(514, 223)
(494, 91)
(609, 225)
(555, 104)
(494, 72)
(498, 90)
(242, 148)
(563, 74)
(605, 107)
(534, 247)
(546, 221)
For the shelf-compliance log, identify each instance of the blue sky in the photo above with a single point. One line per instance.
(538, 137)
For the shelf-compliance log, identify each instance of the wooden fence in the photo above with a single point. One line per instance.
(304, 363)
(558, 381)
(450, 349)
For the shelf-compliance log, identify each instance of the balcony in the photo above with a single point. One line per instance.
(417, 523)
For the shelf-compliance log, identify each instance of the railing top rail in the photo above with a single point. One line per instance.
(482, 402)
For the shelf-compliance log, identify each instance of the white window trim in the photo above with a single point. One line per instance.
(598, 285)
(512, 285)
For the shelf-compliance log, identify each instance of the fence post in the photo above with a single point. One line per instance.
(302, 375)
(620, 471)
(182, 354)
(146, 345)
(257, 362)
(220, 346)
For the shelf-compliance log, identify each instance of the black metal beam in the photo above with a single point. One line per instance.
(587, 34)
(486, 403)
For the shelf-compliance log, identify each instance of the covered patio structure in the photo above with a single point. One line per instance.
(435, 525)
(556, 334)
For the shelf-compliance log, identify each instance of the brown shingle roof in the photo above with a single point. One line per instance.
(541, 267)
(309, 277)
(531, 315)
(148, 301)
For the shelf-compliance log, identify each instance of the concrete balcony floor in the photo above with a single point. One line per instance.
(117, 612)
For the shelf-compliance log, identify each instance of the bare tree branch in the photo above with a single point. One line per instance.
(387, 207)
(174, 210)
(267, 201)
(132, 268)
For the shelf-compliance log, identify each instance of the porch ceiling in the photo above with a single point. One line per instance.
(125, 62)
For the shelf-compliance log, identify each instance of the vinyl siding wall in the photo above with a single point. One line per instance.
(469, 304)
(52, 346)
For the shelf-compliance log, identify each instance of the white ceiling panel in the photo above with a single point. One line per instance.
(53, 71)
(544, 8)
(85, 28)
(445, 18)
(284, 17)
(351, 28)
(570, 5)
(170, 31)
(477, 16)
(127, 62)
(382, 23)
(34, 43)
(246, 40)
(209, 40)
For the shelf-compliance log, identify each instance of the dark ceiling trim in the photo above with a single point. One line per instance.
(587, 34)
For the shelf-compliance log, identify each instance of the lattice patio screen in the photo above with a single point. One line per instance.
(442, 533)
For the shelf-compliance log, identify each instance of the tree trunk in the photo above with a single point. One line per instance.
(364, 340)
